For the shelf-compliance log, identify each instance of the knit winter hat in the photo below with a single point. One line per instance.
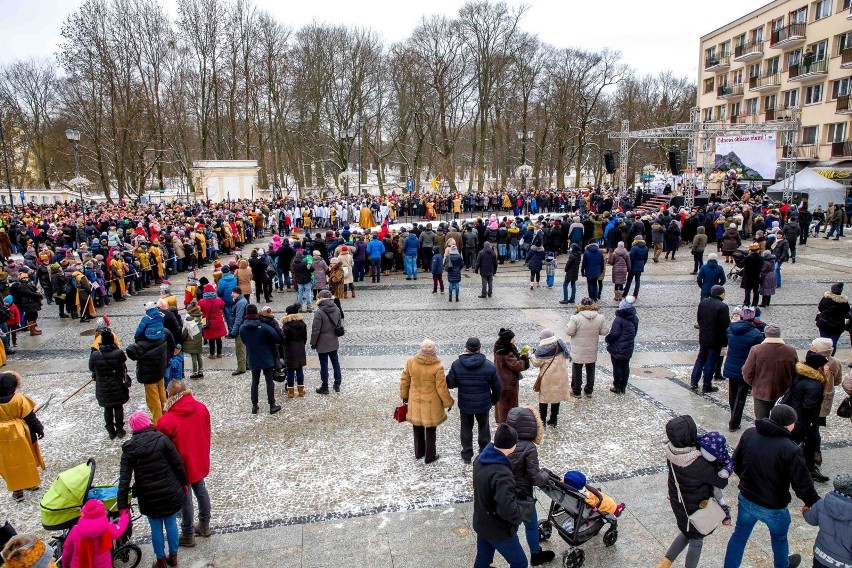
(627, 302)
(139, 420)
(266, 311)
(815, 360)
(209, 288)
(822, 345)
(428, 347)
(772, 330)
(149, 306)
(472, 345)
(93, 509)
(505, 335)
(324, 295)
(783, 415)
(747, 313)
(292, 309)
(843, 484)
(545, 334)
(226, 269)
(505, 437)
(27, 551)
(237, 290)
(837, 288)
(716, 291)
(587, 302)
(575, 479)
(251, 310)
(713, 256)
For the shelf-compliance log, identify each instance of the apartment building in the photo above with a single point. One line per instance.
(787, 54)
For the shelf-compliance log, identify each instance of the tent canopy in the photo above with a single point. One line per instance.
(819, 189)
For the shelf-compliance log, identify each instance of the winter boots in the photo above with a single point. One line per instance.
(172, 560)
(32, 327)
(291, 392)
(187, 541)
(203, 529)
(353, 292)
(159, 563)
(665, 563)
(618, 295)
(542, 557)
(301, 391)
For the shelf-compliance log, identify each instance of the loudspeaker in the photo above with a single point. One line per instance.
(609, 162)
(674, 161)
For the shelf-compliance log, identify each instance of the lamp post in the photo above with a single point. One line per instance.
(347, 136)
(73, 137)
(6, 163)
(524, 136)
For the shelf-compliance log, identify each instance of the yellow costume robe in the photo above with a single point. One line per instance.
(365, 218)
(19, 458)
(83, 282)
(117, 276)
(201, 245)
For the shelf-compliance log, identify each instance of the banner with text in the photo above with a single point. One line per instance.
(753, 154)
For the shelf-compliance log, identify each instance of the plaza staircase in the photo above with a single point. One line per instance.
(654, 203)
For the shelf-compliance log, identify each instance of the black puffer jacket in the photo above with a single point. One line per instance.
(151, 358)
(497, 513)
(524, 459)
(713, 322)
(108, 367)
(477, 381)
(30, 297)
(833, 311)
(696, 476)
(806, 395)
(152, 461)
(301, 270)
(295, 337)
(572, 265)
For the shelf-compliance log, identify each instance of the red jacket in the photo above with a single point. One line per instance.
(14, 321)
(187, 422)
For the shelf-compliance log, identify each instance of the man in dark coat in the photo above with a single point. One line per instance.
(709, 275)
(261, 342)
(486, 267)
(108, 366)
(742, 336)
(479, 390)
(638, 259)
(497, 512)
(768, 462)
(152, 351)
(750, 282)
(713, 321)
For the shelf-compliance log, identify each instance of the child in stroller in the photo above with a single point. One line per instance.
(574, 519)
(600, 501)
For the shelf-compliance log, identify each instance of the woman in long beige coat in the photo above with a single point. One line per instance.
(348, 264)
(551, 357)
(243, 274)
(585, 328)
(423, 386)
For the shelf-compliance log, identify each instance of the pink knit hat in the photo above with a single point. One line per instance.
(139, 420)
(93, 509)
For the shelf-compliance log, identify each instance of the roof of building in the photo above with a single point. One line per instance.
(741, 19)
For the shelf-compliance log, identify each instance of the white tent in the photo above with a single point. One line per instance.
(819, 189)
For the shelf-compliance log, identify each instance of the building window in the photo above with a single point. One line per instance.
(735, 109)
(773, 66)
(777, 24)
(708, 85)
(740, 40)
(810, 135)
(757, 34)
(842, 42)
(835, 132)
(841, 88)
(822, 9)
(794, 58)
(722, 112)
(800, 16)
(737, 77)
(769, 103)
(708, 114)
(813, 94)
(791, 98)
(722, 80)
(725, 49)
(751, 106)
(820, 50)
(754, 71)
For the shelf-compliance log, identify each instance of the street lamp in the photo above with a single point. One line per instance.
(73, 137)
(524, 136)
(347, 136)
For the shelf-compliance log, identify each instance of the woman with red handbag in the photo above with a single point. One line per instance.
(423, 386)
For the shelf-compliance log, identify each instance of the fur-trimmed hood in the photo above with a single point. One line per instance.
(592, 308)
(810, 373)
(839, 298)
(291, 317)
(170, 402)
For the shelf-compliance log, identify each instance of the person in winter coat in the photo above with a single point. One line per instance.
(223, 290)
(833, 515)
(731, 241)
(479, 389)
(453, 263)
(713, 321)
(805, 397)
(528, 474)
(486, 266)
(584, 328)
(620, 342)
(691, 480)
(152, 352)
(497, 510)
(638, 259)
(244, 277)
(192, 345)
(709, 275)
(20, 430)
(551, 357)
(423, 386)
(151, 461)
(108, 366)
(699, 244)
(375, 251)
(295, 334)
(510, 363)
(303, 275)
(320, 274)
(261, 341)
(89, 542)
(833, 314)
(213, 326)
(672, 239)
(591, 268)
(742, 336)
(535, 261)
(437, 270)
(751, 275)
(572, 273)
(186, 422)
(658, 235)
(410, 250)
(781, 250)
(767, 279)
(620, 262)
(833, 377)
(768, 462)
(325, 341)
(30, 302)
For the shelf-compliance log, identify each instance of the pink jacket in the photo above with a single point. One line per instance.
(92, 529)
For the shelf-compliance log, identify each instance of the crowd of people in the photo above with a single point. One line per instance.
(84, 260)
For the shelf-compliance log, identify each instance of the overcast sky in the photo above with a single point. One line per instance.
(653, 35)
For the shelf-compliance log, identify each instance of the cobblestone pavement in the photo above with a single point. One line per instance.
(332, 478)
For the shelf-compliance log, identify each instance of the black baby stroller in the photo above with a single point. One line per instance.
(61, 505)
(737, 269)
(575, 520)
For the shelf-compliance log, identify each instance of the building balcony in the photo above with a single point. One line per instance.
(844, 105)
(744, 119)
(846, 58)
(804, 152)
(803, 72)
(788, 35)
(717, 63)
(773, 115)
(731, 92)
(841, 149)
(764, 83)
(748, 51)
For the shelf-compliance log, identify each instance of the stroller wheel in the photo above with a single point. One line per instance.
(610, 537)
(574, 558)
(126, 556)
(545, 529)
